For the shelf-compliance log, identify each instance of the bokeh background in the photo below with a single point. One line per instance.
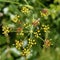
(20, 20)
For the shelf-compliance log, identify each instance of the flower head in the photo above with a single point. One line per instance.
(44, 12)
(25, 10)
(5, 29)
(26, 52)
(47, 43)
(18, 44)
(15, 18)
(35, 23)
(45, 28)
(31, 43)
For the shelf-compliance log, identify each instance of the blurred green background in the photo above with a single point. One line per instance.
(9, 8)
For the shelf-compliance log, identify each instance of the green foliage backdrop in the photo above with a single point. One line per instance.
(29, 29)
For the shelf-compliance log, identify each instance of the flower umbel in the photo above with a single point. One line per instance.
(25, 10)
(44, 12)
(35, 23)
(45, 28)
(31, 43)
(47, 43)
(37, 33)
(15, 18)
(18, 44)
(26, 52)
(5, 29)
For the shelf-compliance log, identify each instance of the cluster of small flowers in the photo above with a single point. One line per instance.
(6, 29)
(44, 12)
(25, 10)
(37, 34)
(15, 19)
(47, 43)
(45, 28)
(21, 30)
(31, 42)
(18, 44)
(26, 50)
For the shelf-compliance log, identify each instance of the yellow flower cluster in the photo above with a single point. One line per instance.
(18, 44)
(35, 23)
(26, 25)
(5, 29)
(47, 43)
(22, 33)
(15, 19)
(44, 12)
(37, 34)
(19, 29)
(45, 28)
(25, 10)
(26, 52)
(31, 43)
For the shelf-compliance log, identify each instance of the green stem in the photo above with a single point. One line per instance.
(41, 38)
(26, 58)
(26, 37)
(26, 2)
(31, 28)
(14, 2)
(46, 35)
(40, 4)
(8, 40)
(11, 2)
